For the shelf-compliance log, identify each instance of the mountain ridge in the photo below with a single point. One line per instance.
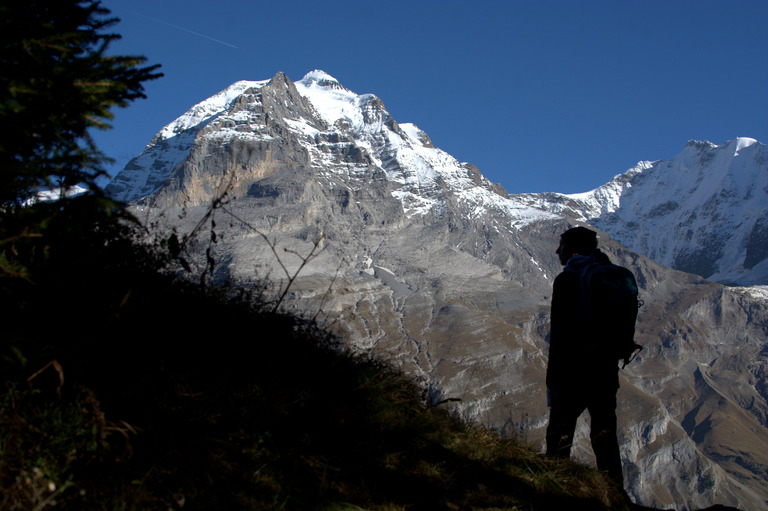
(704, 211)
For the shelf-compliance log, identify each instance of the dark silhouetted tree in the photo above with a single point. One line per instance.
(57, 83)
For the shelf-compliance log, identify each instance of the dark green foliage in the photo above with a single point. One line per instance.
(57, 82)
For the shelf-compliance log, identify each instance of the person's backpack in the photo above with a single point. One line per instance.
(609, 294)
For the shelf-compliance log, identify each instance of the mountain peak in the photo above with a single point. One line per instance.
(740, 143)
(704, 144)
(319, 78)
(737, 144)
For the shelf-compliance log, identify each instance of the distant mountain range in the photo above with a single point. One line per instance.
(705, 211)
(423, 261)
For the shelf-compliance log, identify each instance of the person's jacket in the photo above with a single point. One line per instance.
(571, 360)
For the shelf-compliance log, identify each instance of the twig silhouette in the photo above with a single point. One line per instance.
(176, 246)
(316, 250)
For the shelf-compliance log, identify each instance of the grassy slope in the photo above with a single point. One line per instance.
(163, 396)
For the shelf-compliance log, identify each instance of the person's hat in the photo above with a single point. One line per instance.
(580, 237)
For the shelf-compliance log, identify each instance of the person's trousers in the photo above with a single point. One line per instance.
(566, 405)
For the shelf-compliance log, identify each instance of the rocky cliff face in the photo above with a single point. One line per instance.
(427, 264)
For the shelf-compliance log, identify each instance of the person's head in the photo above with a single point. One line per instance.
(576, 241)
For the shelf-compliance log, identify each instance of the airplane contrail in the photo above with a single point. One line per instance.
(185, 30)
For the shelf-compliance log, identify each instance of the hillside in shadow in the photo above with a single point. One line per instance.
(126, 386)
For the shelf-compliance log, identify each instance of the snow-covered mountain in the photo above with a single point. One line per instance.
(705, 211)
(323, 118)
(426, 263)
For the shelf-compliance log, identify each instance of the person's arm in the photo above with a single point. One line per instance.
(564, 319)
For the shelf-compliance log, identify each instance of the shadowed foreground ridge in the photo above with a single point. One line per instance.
(167, 395)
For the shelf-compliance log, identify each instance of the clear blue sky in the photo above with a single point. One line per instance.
(547, 95)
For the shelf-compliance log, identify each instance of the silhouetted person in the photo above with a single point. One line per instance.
(580, 378)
